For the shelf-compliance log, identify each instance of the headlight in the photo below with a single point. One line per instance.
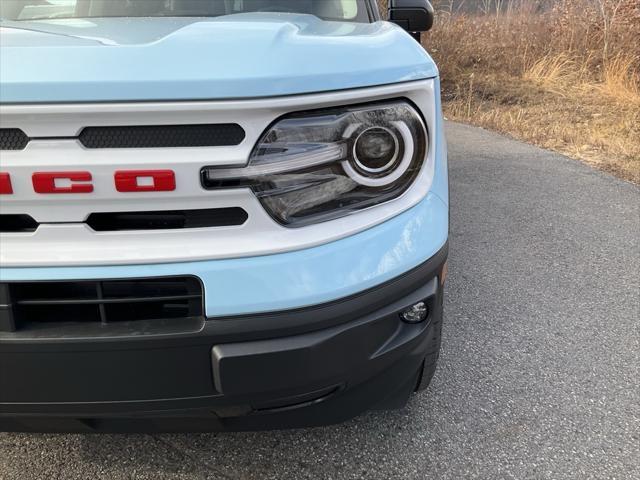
(316, 166)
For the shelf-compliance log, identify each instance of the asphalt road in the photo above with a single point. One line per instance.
(540, 371)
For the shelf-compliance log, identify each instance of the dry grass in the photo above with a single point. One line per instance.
(620, 80)
(562, 74)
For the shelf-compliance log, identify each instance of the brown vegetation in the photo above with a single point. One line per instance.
(562, 74)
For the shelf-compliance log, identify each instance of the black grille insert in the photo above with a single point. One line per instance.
(23, 305)
(167, 219)
(17, 223)
(163, 136)
(152, 220)
(13, 139)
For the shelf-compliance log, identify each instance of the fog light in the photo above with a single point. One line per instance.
(415, 313)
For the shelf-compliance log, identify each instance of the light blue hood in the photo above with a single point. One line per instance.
(238, 56)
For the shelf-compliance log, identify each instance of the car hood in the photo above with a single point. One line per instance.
(237, 56)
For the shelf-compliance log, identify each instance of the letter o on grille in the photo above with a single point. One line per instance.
(161, 180)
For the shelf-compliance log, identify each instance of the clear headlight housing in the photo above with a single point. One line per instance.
(316, 166)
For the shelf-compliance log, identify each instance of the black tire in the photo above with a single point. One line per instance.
(430, 362)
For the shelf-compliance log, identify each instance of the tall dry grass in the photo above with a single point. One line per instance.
(564, 74)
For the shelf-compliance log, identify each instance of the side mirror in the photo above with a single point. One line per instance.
(414, 16)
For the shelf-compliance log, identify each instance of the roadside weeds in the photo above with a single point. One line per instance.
(565, 76)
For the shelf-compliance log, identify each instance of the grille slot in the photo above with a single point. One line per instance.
(17, 223)
(162, 136)
(13, 139)
(165, 220)
(104, 302)
(153, 220)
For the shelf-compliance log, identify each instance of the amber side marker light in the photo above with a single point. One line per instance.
(444, 272)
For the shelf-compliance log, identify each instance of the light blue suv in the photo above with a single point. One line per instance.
(217, 214)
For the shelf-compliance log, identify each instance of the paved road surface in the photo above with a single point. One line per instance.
(540, 371)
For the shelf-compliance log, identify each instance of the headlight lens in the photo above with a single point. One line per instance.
(376, 149)
(316, 166)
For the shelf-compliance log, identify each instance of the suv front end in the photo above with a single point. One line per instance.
(272, 256)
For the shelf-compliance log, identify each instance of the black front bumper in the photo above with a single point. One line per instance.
(312, 366)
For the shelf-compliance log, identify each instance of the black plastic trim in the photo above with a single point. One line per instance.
(13, 139)
(167, 219)
(139, 136)
(60, 308)
(162, 136)
(16, 223)
(310, 366)
(107, 301)
(130, 221)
